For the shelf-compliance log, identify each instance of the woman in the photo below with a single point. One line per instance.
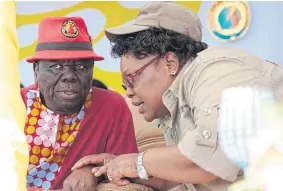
(172, 76)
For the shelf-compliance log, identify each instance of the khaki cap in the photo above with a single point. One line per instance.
(162, 14)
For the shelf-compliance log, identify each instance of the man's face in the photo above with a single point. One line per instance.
(64, 84)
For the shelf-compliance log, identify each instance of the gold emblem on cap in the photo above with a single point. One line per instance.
(70, 29)
(229, 20)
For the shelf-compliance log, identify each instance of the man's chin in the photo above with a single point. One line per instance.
(71, 105)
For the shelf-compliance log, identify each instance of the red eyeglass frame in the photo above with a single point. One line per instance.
(128, 83)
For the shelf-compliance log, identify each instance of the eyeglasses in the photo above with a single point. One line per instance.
(128, 80)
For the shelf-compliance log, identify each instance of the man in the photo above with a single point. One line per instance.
(171, 75)
(67, 118)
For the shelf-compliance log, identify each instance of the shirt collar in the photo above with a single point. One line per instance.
(174, 88)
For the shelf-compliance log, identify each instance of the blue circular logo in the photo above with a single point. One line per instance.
(229, 20)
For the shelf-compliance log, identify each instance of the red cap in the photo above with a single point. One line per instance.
(63, 38)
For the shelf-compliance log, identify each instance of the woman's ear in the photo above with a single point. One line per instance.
(172, 63)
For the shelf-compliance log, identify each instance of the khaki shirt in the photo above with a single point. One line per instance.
(193, 101)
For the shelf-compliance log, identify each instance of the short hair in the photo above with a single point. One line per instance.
(156, 41)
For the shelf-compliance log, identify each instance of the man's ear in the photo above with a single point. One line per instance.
(35, 70)
(173, 64)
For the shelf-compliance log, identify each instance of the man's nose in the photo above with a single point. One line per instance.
(69, 74)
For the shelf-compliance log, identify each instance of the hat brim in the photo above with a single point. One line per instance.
(64, 55)
(124, 29)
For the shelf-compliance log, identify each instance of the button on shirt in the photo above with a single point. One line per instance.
(193, 101)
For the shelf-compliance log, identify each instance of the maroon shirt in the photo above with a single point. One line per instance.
(107, 127)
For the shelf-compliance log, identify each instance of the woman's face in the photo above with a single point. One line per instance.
(150, 83)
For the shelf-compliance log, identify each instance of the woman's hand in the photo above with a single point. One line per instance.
(96, 159)
(119, 168)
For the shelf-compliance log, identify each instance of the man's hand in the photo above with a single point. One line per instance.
(120, 168)
(96, 159)
(81, 180)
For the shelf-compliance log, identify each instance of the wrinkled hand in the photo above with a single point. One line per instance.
(96, 159)
(123, 166)
(81, 180)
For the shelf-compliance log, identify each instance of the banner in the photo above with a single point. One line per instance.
(13, 145)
